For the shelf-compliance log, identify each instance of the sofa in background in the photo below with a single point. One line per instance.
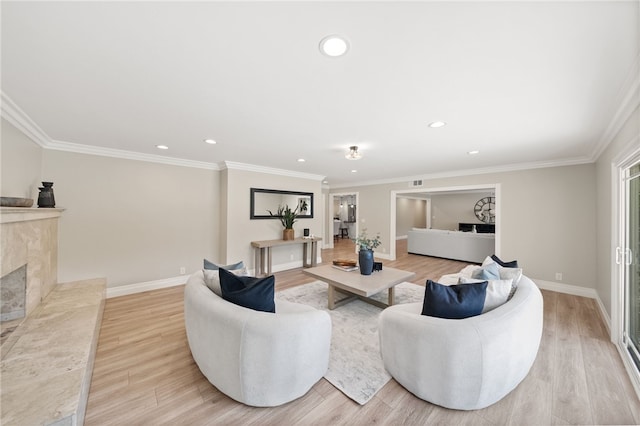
(258, 358)
(456, 245)
(464, 364)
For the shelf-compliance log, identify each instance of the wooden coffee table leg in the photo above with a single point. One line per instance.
(332, 297)
(391, 295)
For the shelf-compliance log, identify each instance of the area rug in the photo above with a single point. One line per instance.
(355, 364)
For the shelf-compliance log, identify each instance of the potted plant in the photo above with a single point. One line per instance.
(365, 254)
(287, 218)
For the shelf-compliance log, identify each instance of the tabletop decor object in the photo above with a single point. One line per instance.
(365, 254)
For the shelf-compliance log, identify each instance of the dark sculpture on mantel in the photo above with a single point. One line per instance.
(46, 198)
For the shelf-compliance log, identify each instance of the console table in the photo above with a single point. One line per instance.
(262, 250)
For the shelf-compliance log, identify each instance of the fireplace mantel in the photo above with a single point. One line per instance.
(23, 214)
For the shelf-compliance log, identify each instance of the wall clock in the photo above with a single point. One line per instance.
(485, 209)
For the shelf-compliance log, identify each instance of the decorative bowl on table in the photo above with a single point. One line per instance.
(15, 202)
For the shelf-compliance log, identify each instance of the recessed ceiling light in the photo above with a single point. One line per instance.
(301, 160)
(162, 147)
(210, 141)
(325, 182)
(354, 171)
(474, 152)
(437, 124)
(334, 46)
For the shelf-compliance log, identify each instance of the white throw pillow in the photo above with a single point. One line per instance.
(498, 291)
(468, 270)
(449, 279)
(487, 260)
(506, 273)
(212, 278)
(511, 274)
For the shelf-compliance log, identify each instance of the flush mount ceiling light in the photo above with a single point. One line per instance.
(210, 141)
(162, 147)
(437, 124)
(334, 46)
(353, 153)
(301, 160)
(474, 152)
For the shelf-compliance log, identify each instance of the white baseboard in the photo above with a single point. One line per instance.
(566, 288)
(576, 291)
(402, 237)
(382, 256)
(124, 290)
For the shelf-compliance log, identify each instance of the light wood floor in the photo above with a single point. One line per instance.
(144, 373)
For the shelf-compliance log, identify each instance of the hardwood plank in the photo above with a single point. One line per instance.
(441, 415)
(570, 391)
(373, 412)
(409, 410)
(336, 409)
(533, 402)
(606, 390)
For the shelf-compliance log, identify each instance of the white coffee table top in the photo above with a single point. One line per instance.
(355, 282)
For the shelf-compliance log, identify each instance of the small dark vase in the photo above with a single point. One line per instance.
(46, 198)
(365, 259)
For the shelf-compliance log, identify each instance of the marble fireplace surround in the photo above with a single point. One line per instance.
(29, 236)
(47, 358)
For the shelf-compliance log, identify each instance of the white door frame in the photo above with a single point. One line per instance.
(332, 196)
(489, 187)
(618, 228)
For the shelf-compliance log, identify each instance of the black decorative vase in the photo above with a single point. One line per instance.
(46, 198)
(365, 259)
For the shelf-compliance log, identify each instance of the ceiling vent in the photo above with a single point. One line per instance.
(415, 183)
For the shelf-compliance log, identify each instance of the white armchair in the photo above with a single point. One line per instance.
(257, 358)
(464, 364)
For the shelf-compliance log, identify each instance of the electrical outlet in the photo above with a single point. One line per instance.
(384, 250)
(183, 270)
(558, 276)
(291, 257)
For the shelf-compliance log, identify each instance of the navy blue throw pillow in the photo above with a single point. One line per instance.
(249, 292)
(512, 264)
(453, 301)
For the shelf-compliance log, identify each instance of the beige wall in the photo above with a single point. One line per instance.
(448, 210)
(241, 230)
(21, 164)
(547, 218)
(623, 143)
(132, 221)
(410, 213)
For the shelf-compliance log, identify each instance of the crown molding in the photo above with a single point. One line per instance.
(231, 165)
(129, 155)
(628, 100)
(470, 172)
(11, 112)
(18, 118)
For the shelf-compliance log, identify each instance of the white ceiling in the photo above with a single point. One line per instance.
(526, 83)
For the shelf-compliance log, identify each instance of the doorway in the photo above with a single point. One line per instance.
(493, 188)
(343, 216)
(628, 267)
